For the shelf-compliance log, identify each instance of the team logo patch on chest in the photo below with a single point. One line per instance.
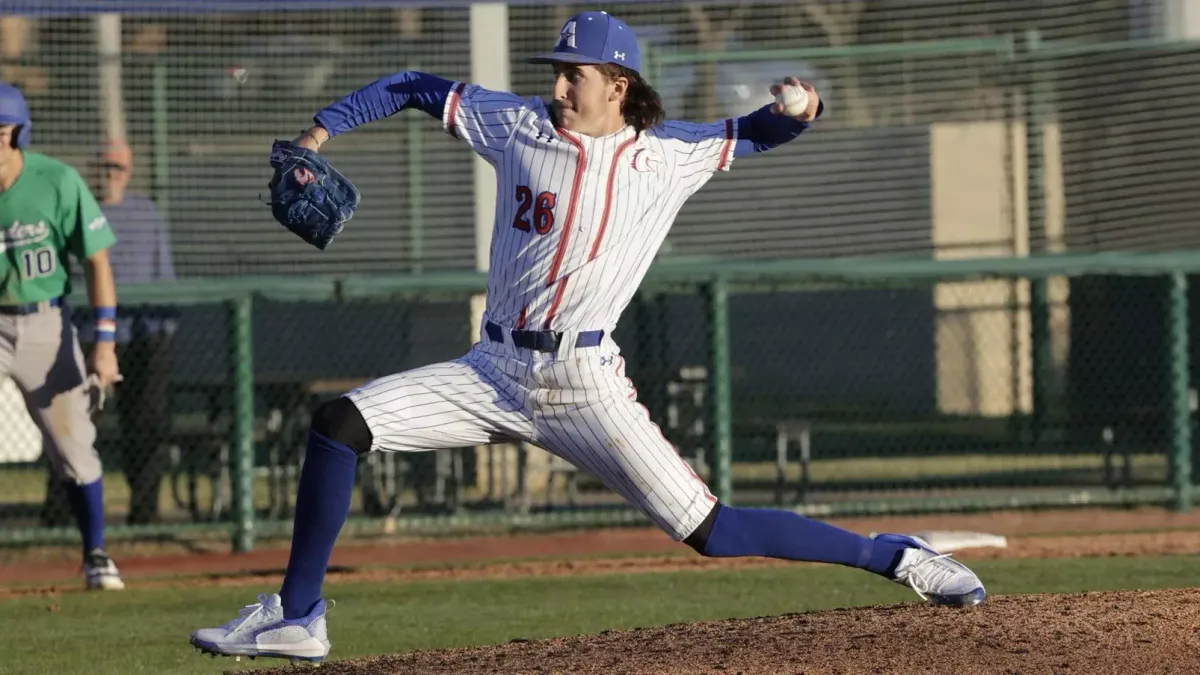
(23, 234)
(645, 160)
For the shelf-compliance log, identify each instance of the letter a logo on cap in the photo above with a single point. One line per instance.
(567, 37)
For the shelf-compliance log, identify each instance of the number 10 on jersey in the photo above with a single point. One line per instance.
(543, 210)
(38, 262)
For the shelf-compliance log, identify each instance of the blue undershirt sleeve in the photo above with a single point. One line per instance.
(385, 97)
(763, 130)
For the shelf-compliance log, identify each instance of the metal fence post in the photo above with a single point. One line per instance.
(718, 311)
(1180, 392)
(241, 369)
(1036, 114)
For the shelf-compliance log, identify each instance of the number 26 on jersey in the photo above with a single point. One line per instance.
(541, 220)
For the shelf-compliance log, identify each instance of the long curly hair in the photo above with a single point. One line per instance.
(642, 107)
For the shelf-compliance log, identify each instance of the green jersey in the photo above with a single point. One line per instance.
(48, 213)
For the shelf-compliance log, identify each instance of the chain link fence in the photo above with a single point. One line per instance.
(930, 392)
(954, 130)
(915, 92)
(852, 393)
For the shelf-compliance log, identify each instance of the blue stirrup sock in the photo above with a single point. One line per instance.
(322, 504)
(772, 533)
(87, 503)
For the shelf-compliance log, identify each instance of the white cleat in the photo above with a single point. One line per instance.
(100, 572)
(934, 576)
(261, 630)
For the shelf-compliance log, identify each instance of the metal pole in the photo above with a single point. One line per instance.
(489, 44)
(108, 49)
(1039, 297)
(242, 459)
(1180, 392)
(722, 406)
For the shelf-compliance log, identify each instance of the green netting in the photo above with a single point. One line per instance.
(859, 390)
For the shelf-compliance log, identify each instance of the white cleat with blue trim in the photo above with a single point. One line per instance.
(261, 630)
(934, 576)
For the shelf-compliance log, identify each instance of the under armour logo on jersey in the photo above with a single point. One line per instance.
(606, 360)
(567, 37)
(542, 135)
(620, 56)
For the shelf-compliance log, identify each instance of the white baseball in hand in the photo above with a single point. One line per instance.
(793, 99)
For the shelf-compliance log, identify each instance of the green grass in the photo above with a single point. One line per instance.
(145, 631)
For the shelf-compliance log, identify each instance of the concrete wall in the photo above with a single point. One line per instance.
(979, 206)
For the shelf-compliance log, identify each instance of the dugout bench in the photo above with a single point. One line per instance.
(1113, 439)
(200, 452)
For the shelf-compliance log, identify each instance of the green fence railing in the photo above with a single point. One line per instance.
(844, 386)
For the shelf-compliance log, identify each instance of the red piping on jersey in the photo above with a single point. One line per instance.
(725, 148)
(565, 237)
(455, 96)
(580, 167)
(558, 296)
(608, 195)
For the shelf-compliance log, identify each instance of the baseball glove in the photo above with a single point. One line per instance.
(309, 196)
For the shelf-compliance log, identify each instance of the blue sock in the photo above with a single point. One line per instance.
(87, 502)
(322, 504)
(782, 534)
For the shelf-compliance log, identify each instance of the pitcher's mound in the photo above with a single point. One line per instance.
(1126, 632)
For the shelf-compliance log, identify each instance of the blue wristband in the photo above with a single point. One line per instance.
(106, 323)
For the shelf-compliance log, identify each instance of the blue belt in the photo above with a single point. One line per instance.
(31, 308)
(541, 340)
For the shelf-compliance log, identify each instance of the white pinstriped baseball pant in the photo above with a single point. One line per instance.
(575, 403)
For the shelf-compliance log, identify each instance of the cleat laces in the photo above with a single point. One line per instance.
(927, 575)
(247, 613)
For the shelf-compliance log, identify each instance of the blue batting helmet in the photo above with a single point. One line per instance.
(14, 111)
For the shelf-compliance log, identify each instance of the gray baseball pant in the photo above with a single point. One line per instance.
(41, 353)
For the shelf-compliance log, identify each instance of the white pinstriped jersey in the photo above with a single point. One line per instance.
(578, 219)
(578, 222)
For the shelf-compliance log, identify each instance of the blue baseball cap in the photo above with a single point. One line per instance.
(594, 38)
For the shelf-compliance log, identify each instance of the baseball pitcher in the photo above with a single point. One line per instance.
(48, 214)
(588, 182)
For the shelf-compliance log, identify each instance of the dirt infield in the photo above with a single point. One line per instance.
(1095, 633)
(1031, 533)
(1117, 632)
(1072, 546)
